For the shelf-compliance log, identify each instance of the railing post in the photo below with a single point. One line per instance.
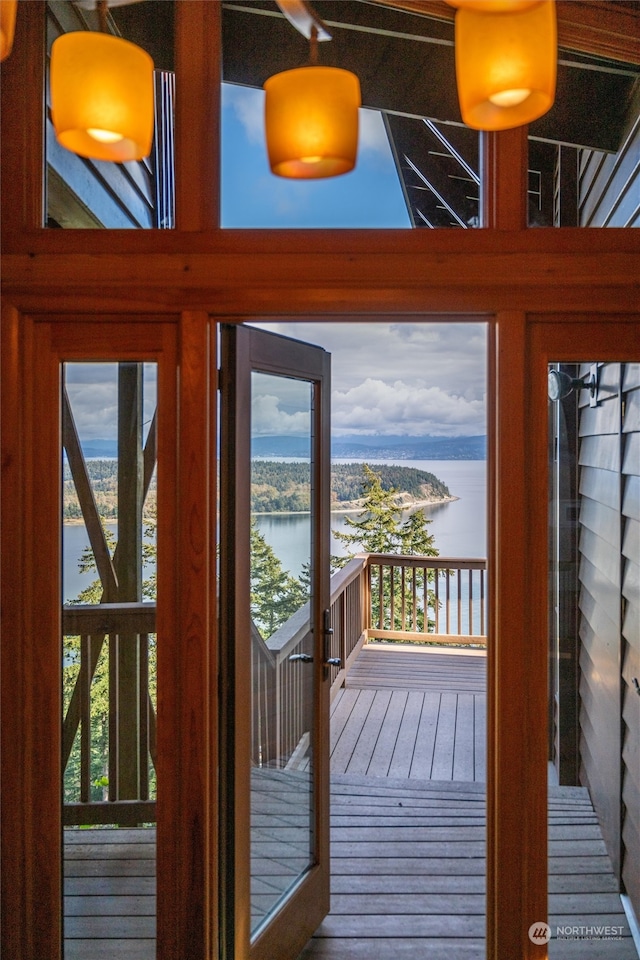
(366, 595)
(343, 631)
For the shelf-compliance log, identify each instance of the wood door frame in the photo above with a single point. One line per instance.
(506, 271)
(562, 339)
(31, 728)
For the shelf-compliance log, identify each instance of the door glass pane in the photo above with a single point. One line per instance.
(87, 192)
(108, 664)
(593, 655)
(282, 648)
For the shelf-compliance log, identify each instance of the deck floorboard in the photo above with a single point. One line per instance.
(408, 849)
(419, 714)
(419, 890)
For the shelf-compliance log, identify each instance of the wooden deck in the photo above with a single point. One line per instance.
(408, 874)
(408, 878)
(110, 894)
(419, 714)
(408, 840)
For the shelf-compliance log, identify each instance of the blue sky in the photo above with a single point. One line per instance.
(369, 196)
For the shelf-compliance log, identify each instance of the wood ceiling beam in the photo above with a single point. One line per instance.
(597, 27)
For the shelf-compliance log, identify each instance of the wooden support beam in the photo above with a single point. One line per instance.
(605, 29)
(198, 93)
(504, 158)
(125, 707)
(517, 746)
(87, 501)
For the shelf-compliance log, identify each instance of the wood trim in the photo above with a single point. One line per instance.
(605, 29)
(198, 94)
(186, 840)
(31, 704)
(140, 245)
(492, 942)
(15, 840)
(31, 609)
(22, 150)
(517, 738)
(333, 285)
(235, 669)
(504, 160)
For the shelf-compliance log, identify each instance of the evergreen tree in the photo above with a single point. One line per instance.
(380, 529)
(376, 529)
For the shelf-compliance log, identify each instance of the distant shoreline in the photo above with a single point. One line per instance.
(349, 507)
(352, 507)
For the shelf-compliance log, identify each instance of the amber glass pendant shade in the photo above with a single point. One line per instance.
(495, 6)
(102, 96)
(311, 122)
(506, 65)
(8, 10)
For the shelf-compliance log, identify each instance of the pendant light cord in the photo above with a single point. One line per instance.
(313, 46)
(103, 9)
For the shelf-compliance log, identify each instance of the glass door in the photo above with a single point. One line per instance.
(274, 627)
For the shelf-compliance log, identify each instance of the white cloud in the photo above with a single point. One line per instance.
(93, 396)
(415, 378)
(248, 105)
(374, 406)
(372, 136)
(268, 418)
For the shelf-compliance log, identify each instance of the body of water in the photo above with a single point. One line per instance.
(459, 527)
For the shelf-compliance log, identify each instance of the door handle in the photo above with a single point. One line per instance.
(328, 633)
(304, 657)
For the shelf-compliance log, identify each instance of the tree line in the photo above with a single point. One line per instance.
(276, 486)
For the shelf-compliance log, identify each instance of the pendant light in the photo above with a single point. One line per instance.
(495, 6)
(505, 64)
(8, 10)
(102, 94)
(311, 114)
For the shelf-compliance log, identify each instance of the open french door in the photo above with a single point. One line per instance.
(274, 636)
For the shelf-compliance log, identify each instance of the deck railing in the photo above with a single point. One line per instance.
(115, 625)
(434, 600)
(375, 597)
(427, 599)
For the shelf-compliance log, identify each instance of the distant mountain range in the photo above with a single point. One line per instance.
(107, 449)
(355, 445)
(410, 448)
(361, 447)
